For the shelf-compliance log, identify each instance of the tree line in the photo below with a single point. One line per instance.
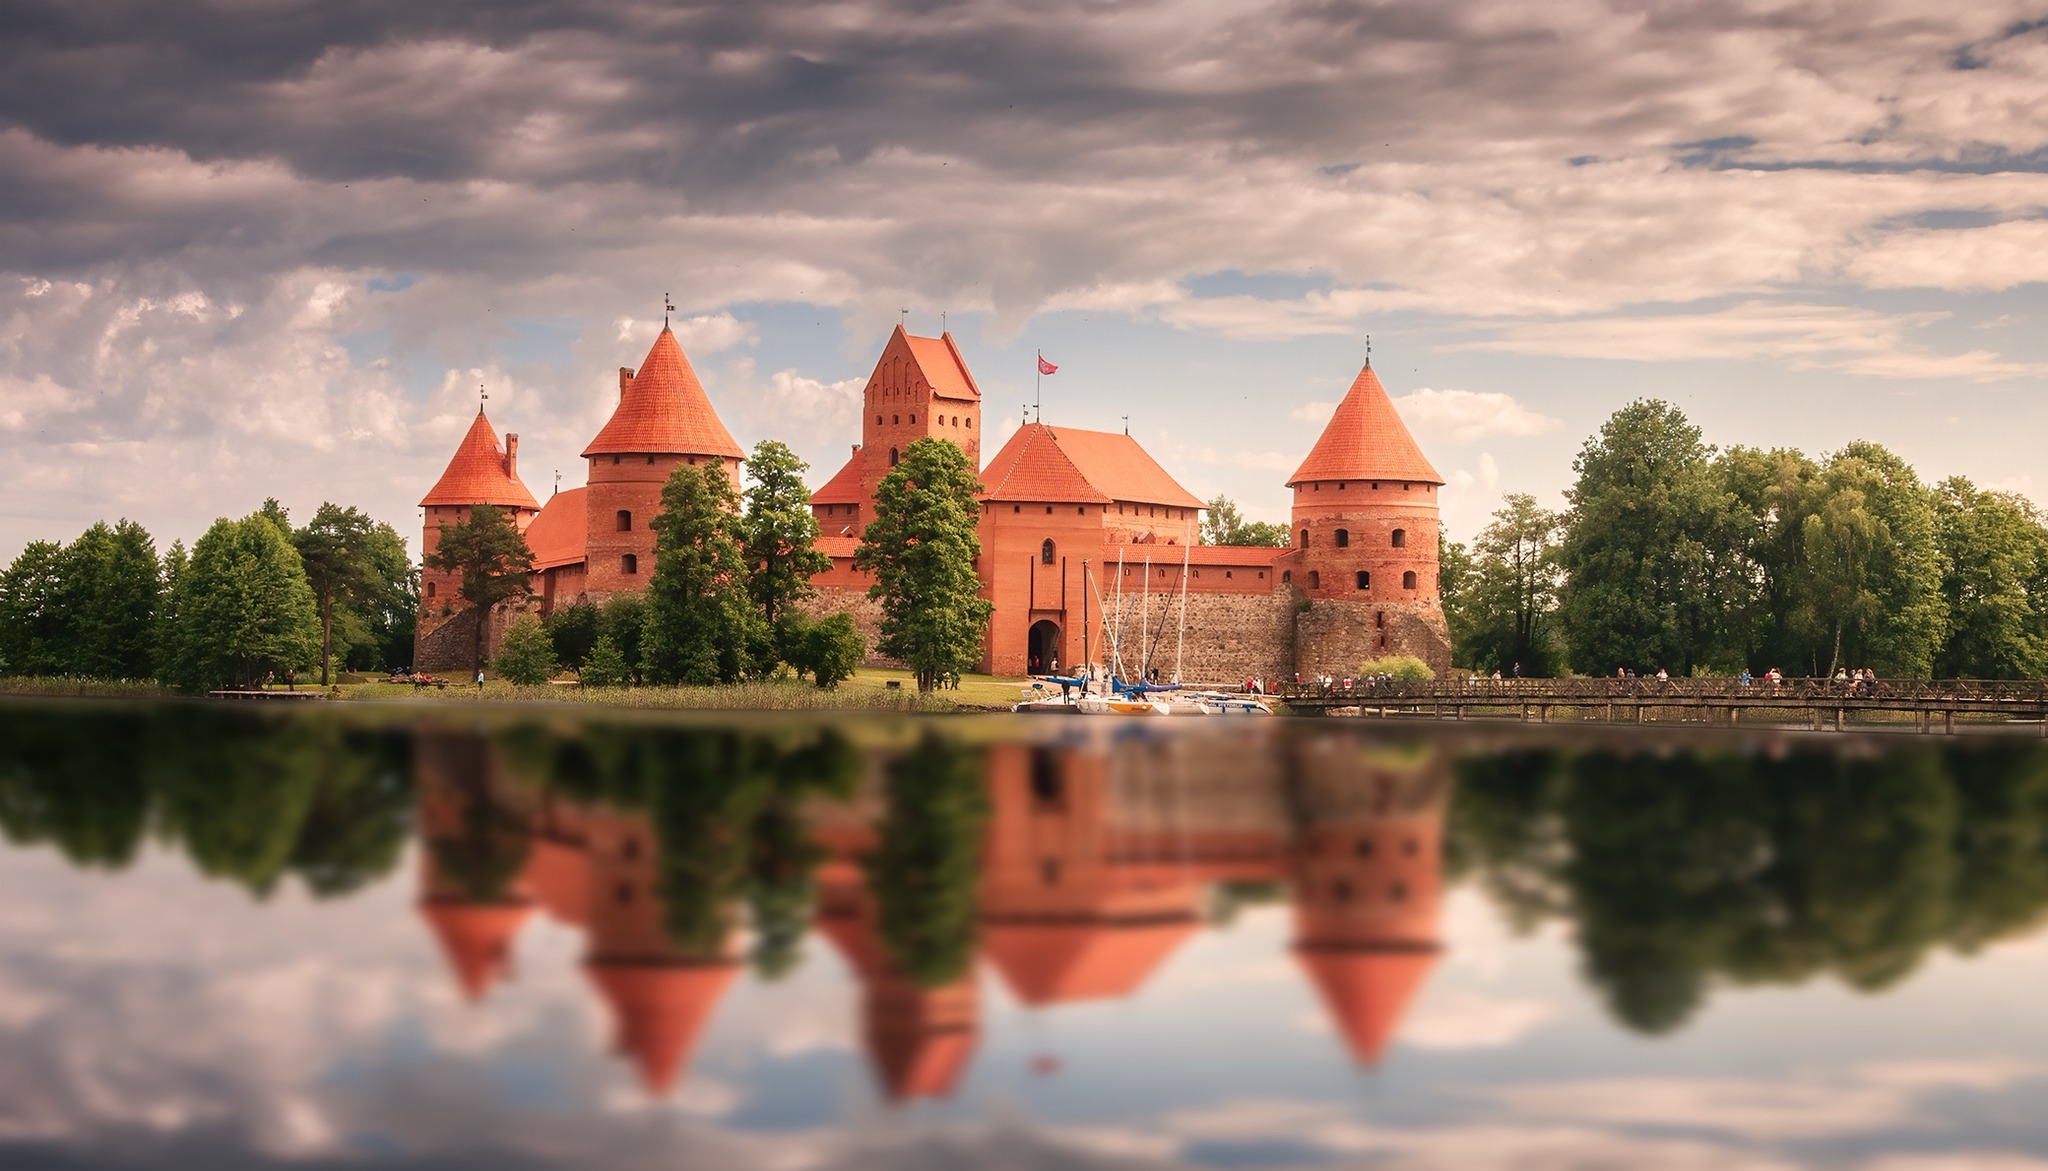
(731, 571)
(252, 598)
(1673, 555)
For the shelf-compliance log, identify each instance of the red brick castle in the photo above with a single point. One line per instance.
(1069, 519)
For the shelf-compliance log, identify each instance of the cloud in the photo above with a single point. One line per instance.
(1802, 336)
(1981, 259)
(1463, 1020)
(1461, 416)
(1313, 412)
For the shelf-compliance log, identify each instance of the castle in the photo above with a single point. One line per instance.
(1069, 518)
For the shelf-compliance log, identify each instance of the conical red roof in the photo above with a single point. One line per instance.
(1058, 963)
(477, 938)
(663, 410)
(1366, 440)
(660, 1009)
(481, 472)
(1367, 989)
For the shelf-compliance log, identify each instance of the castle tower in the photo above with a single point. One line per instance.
(480, 472)
(1365, 541)
(920, 1040)
(659, 996)
(663, 420)
(920, 388)
(472, 829)
(1366, 872)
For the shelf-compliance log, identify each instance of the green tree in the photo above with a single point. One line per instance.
(828, 649)
(1453, 587)
(574, 630)
(623, 619)
(921, 548)
(164, 630)
(351, 569)
(1994, 584)
(1650, 566)
(1509, 596)
(32, 634)
(526, 656)
(702, 628)
(1869, 589)
(781, 534)
(490, 553)
(108, 597)
(1225, 525)
(604, 666)
(243, 607)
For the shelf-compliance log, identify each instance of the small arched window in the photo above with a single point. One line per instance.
(1315, 579)
(913, 418)
(1045, 552)
(1343, 538)
(630, 563)
(430, 589)
(1364, 580)
(892, 457)
(1408, 580)
(1400, 538)
(1286, 577)
(625, 521)
(1304, 540)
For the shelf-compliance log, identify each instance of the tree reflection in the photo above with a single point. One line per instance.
(924, 867)
(1682, 869)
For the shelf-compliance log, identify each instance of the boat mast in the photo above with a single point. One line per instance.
(1180, 639)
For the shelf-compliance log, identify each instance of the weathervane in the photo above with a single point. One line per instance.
(558, 481)
(904, 315)
(667, 307)
(942, 323)
(1368, 351)
(1127, 424)
(481, 395)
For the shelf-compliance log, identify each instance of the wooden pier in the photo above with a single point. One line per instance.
(1820, 704)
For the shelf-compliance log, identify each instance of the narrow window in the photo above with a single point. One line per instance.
(650, 460)
(1304, 539)
(1016, 508)
(629, 563)
(1379, 619)
(1080, 510)
(1408, 580)
(430, 589)
(1286, 577)
(1045, 553)
(1343, 538)
(1315, 579)
(892, 457)
(625, 521)
(1400, 538)
(615, 461)
(895, 418)
(1364, 580)
(878, 420)
(913, 418)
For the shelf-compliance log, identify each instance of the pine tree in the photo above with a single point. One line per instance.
(702, 627)
(526, 657)
(781, 533)
(490, 553)
(921, 548)
(335, 548)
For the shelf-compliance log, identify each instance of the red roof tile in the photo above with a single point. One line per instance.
(836, 546)
(480, 473)
(1055, 963)
(939, 360)
(1366, 440)
(1367, 989)
(663, 410)
(477, 938)
(844, 486)
(558, 536)
(1067, 465)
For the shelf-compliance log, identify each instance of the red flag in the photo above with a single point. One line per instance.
(1045, 367)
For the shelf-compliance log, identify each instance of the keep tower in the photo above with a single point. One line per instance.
(663, 420)
(1365, 541)
(920, 388)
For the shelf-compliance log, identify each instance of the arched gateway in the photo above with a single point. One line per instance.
(1044, 645)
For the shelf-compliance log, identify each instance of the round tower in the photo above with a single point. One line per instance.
(1365, 541)
(663, 421)
(480, 472)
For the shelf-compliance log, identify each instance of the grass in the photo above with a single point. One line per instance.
(868, 690)
(51, 687)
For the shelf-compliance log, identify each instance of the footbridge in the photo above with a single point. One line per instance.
(1924, 705)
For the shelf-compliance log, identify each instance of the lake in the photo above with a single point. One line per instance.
(544, 937)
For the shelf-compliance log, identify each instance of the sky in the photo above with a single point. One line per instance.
(259, 248)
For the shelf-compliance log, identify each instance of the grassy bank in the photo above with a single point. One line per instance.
(868, 690)
(41, 686)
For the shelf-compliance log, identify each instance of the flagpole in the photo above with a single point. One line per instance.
(1038, 392)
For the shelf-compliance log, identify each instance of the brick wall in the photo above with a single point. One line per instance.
(1336, 637)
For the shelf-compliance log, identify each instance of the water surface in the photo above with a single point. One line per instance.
(338, 938)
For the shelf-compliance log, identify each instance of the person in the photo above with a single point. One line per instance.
(1515, 671)
(1743, 678)
(1055, 664)
(290, 679)
(1496, 672)
(1663, 676)
(479, 679)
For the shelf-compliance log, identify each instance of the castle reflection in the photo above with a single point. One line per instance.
(1073, 871)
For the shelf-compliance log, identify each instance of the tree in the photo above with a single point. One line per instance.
(574, 631)
(165, 628)
(335, 548)
(526, 656)
(623, 619)
(31, 611)
(108, 599)
(828, 649)
(702, 627)
(490, 553)
(921, 548)
(1994, 584)
(780, 532)
(1868, 593)
(243, 607)
(1508, 600)
(1453, 578)
(603, 666)
(1225, 525)
(1647, 553)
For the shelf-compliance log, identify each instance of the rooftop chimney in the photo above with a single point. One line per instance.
(511, 454)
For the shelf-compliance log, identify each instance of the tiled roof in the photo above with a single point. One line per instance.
(477, 938)
(660, 1009)
(943, 367)
(480, 473)
(1062, 465)
(1367, 989)
(663, 410)
(1056, 963)
(836, 546)
(844, 486)
(558, 535)
(1366, 440)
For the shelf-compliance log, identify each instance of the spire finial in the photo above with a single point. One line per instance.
(667, 307)
(558, 481)
(1368, 351)
(903, 319)
(942, 323)
(481, 395)
(1127, 424)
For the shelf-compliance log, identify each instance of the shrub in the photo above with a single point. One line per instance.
(604, 666)
(574, 630)
(1400, 668)
(527, 656)
(833, 647)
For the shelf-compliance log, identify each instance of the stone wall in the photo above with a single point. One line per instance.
(1335, 638)
(443, 644)
(865, 612)
(1228, 637)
